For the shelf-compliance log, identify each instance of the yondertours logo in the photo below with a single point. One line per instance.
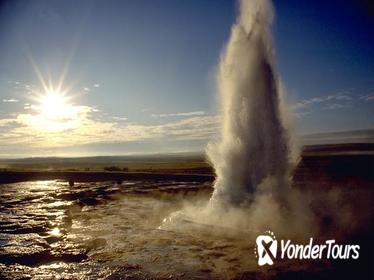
(266, 250)
(267, 246)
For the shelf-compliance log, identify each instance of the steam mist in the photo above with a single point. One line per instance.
(253, 158)
(256, 153)
(253, 154)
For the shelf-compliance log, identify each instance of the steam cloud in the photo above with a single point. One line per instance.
(253, 157)
(254, 151)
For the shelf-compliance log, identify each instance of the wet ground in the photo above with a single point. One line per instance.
(50, 230)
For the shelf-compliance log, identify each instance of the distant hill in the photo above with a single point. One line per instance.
(172, 163)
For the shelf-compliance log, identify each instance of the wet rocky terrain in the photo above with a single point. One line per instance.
(112, 229)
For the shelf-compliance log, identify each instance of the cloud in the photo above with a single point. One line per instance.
(11, 100)
(367, 97)
(343, 97)
(306, 103)
(86, 89)
(120, 118)
(19, 87)
(186, 114)
(328, 102)
(7, 122)
(331, 102)
(85, 126)
(71, 118)
(335, 106)
(200, 127)
(96, 85)
(302, 114)
(14, 82)
(27, 106)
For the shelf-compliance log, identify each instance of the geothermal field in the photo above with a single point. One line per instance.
(229, 213)
(163, 227)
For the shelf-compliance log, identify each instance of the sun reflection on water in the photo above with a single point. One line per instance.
(55, 232)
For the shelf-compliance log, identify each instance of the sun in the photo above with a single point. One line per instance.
(55, 112)
(52, 110)
(54, 105)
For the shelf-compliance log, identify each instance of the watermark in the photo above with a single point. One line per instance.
(267, 245)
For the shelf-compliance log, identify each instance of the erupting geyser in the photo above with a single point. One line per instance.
(252, 158)
(253, 154)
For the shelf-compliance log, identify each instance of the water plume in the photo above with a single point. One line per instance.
(256, 152)
(253, 154)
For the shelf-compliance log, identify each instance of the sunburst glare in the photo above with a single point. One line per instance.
(53, 107)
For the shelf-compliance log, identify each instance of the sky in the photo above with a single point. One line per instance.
(139, 76)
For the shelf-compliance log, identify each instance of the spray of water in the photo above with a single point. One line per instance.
(254, 152)
(252, 159)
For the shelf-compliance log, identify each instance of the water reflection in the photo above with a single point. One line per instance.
(55, 232)
(47, 227)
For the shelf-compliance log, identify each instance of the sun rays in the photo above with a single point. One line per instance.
(53, 110)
